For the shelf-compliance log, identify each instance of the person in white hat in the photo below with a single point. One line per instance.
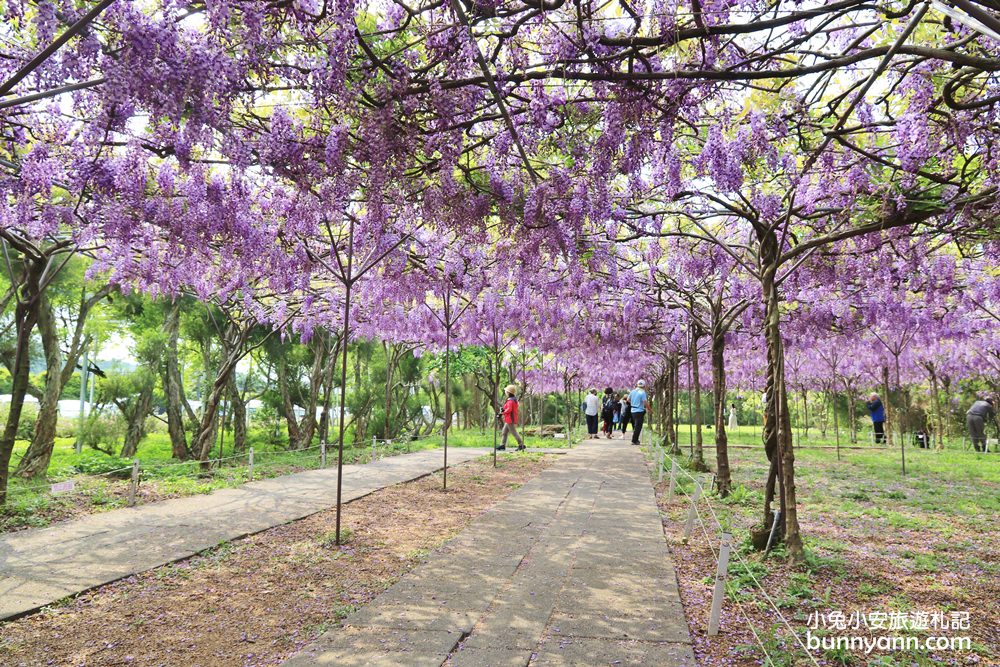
(509, 415)
(639, 403)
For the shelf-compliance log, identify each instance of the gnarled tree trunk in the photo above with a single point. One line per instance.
(723, 477)
(35, 461)
(25, 317)
(172, 385)
(698, 461)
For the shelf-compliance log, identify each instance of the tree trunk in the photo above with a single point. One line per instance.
(938, 412)
(205, 438)
(288, 406)
(723, 478)
(669, 401)
(770, 439)
(35, 462)
(58, 372)
(887, 404)
(239, 416)
(786, 472)
(25, 317)
(852, 410)
(836, 420)
(172, 383)
(805, 411)
(137, 421)
(698, 460)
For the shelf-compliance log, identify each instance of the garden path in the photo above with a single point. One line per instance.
(571, 569)
(40, 566)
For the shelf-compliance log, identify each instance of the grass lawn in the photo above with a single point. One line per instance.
(101, 481)
(876, 541)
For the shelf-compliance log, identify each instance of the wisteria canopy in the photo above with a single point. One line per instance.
(808, 187)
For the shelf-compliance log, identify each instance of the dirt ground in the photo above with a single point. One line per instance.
(874, 543)
(258, 600)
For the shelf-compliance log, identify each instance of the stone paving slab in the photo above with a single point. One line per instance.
(572, 569)
(588, 651)
(38, 567)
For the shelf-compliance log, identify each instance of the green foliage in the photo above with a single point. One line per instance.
(741, 495)
(98, 463)
(103, 432)
(742, 575)
(29, 415)
(329, 538)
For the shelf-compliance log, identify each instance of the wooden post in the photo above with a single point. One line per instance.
(250, 464)
(673, 479)
(720, 585)
(659, 464)
(373, 449)
(134, 484)
(692, 511)
(322, 453)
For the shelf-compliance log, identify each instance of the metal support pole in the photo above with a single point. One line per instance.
(692, 511)
(133, 487)
(84, 381)
(322, 453)
(673, 479)
(774, 528)
(250, 465)
(720, 585)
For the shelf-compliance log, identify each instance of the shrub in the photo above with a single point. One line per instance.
(104, 432)
(97, 463)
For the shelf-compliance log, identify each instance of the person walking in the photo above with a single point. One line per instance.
(609, 406)
(877, 412)
(592, 408)
(979, 414)
(733, 422)
(638, 404)
(624, 413)
(510, 420)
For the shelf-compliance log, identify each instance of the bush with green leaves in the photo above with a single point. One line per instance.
(104, 432)
(97, 463)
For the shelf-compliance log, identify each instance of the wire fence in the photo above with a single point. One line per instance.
(714, 532)
(239, 467)
(249, 462)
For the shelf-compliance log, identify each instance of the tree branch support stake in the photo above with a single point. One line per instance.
(133, 487)
(692, 511)
(720, 585)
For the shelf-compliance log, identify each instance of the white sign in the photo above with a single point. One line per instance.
(62, 487)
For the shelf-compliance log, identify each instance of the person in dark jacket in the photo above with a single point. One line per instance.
(624, 413)
(981, 413)
(877, 412)
(608, 410)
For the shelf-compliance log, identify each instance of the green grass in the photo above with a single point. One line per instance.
(102, 479)
(751, 435)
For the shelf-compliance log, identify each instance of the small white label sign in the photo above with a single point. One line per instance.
(63, 487)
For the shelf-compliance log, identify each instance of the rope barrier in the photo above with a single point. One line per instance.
(694, 504)
(74, 478)
(729, 587)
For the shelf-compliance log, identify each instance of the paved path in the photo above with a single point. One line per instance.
(572, 569)
(38, 567)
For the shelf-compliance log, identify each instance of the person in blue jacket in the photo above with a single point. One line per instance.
(877, 412)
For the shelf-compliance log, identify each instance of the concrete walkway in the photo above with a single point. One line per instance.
(38, 567)
(572, 569)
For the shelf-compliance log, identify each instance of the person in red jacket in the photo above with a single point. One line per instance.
(509, 414)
